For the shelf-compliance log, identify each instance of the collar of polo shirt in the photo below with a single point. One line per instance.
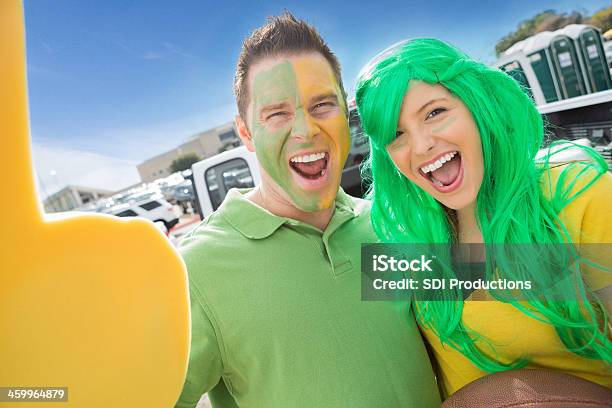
(255, 222)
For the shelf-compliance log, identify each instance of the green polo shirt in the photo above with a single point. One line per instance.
(278, 320)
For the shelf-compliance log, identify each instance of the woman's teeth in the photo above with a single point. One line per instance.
(438, 163)
(307, 158)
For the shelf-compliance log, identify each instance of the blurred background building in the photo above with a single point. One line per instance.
(73, 197)
(204, 144)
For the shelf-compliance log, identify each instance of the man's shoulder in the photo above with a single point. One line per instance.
(361, 206)
(213, 234)
(360, 227)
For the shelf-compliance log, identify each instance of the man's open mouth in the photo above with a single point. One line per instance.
(444, 172)
(310, 166)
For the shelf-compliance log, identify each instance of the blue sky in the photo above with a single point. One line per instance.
(112, 83)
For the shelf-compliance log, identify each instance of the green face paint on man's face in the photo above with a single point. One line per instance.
(299, 127)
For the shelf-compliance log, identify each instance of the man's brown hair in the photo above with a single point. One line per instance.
(282, 35)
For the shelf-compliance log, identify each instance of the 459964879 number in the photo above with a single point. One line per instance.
(40, 394)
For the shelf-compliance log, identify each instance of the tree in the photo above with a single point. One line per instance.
(602, 19)
(184, 162)
(550, 20)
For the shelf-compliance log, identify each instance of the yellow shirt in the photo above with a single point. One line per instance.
(514, 334)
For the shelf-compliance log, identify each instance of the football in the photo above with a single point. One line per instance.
(530, 388)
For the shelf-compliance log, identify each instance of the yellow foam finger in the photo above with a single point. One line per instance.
(92, 303)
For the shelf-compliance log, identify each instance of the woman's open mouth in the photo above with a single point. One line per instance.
(445, 174)
(311, 168)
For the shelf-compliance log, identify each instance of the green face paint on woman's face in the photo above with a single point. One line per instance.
(299, 127)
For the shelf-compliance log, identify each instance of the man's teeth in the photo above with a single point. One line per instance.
(438, 163)
(308, 158)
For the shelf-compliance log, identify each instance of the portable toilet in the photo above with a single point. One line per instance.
(589, 47)
(569, 72)
(517, 66)
(538, 51)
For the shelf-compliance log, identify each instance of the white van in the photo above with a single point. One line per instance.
(213, 177)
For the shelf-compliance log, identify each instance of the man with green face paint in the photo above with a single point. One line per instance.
(297, 110)
(274, 273)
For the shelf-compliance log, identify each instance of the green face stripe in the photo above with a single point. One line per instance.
(443, 126)
(275, 85)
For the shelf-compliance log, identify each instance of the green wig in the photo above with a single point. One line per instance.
(511, 207)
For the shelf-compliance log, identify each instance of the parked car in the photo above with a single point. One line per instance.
(183, 191)
(154, 208)
(183, 195)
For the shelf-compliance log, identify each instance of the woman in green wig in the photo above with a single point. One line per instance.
(453, 148)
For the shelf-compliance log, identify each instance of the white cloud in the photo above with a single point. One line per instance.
(151, 55)
(107, 158)
(140, 143)
(47, 47)
(58, 167)
(176, 49)
(167, 49)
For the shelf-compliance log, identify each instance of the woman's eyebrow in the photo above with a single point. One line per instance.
(429, 103)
